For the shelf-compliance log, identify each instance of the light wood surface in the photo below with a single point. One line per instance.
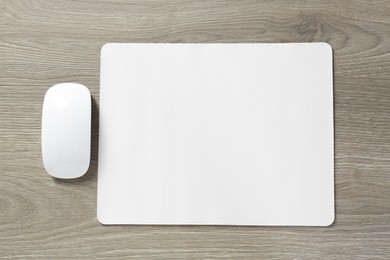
(47, 42)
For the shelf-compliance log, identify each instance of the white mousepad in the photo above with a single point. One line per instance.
(216, 134)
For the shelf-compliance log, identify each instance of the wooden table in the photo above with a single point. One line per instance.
(47, 42)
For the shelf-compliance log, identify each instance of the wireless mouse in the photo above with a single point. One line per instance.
(66, 130)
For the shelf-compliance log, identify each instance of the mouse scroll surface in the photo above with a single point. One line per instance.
(66, 130)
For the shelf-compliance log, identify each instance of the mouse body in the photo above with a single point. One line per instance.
(66, 130)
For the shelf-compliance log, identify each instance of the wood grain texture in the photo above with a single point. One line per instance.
(46, 42)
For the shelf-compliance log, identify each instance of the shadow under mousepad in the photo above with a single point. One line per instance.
(216, 134)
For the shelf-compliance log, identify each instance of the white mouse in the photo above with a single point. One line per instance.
(66, 130)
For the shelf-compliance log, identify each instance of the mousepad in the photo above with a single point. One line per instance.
(216, 134)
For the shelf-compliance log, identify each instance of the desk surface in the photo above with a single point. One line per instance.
(46, 42)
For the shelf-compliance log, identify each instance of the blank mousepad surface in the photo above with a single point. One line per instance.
(216, 134)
